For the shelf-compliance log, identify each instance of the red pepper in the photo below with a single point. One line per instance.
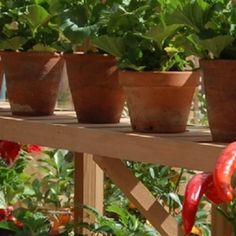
(6, 214)
(9, 150)
(32, 148)
(212, 193)
(224, 169)
(195, 188)
(3, 214)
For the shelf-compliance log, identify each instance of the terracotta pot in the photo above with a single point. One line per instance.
(1, 74)
(219, 77)
(96, 93)
(32, 81)
(159, 101)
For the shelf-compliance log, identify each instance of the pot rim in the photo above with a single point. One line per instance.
(160, 72)
(28, 53)
(216, 61)
(82, 54)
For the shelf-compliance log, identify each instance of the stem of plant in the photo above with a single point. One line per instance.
(233, 223)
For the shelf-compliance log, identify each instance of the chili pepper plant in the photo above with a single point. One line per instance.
(24, 194)
(218, 188)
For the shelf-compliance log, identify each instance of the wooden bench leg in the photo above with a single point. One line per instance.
(139, 195)
(88, 187)
(220, 226)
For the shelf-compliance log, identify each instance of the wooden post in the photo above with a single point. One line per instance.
(88, 187)
(219, 225)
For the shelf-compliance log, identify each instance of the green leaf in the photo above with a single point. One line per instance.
(3, 203)
(160, 33)
(35, 15)
(175, 198)
(6, 225)
(77, 34)
(59, 160)
(42, 48)
(195, 14)
(217, 44)
(77, 14)
(190, 44)
(112, 45)
(14, 43)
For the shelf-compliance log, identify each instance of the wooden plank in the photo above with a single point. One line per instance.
(139, 195)
(88, 187)
(219, 224)
(166, 151)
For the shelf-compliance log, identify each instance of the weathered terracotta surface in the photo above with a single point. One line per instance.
(96, 93)
(32, 81)
(159, 101)
(219, 77)
(1, 73)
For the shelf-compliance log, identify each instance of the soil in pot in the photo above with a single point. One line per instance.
(96, 93)
(32, 80)
(220, 88)
(159, 101)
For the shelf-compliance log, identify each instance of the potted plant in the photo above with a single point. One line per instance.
(153, 71)
(28, 44)
(93, 75)
(211, 35)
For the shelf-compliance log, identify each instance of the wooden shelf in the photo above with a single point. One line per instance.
(109, 145)
(192, 149)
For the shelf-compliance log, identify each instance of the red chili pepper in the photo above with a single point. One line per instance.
(32, 148)
(193, 194)
(224, 169)
(19, 223)
(9, 150)
(3, 214)
(212, 193)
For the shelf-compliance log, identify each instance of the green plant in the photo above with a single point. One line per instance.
(138, 36)
(14, 182)
(33, 223)
(54, 189)
(162, 181)
(81, 21)
(122, 224)
(209, 27)
(26, 200)
(27, 26)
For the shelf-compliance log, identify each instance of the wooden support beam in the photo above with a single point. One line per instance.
(88, 187)
(139, 195)
(219, 224)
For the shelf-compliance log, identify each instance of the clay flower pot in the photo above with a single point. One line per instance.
(32, 80)
(1, 73)
(96, 93)
(219, 77)
(159, 101)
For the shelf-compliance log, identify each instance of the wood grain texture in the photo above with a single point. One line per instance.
(192, 150)
(88, 187)
(220, 226)
(139, 195)
(137, 147)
